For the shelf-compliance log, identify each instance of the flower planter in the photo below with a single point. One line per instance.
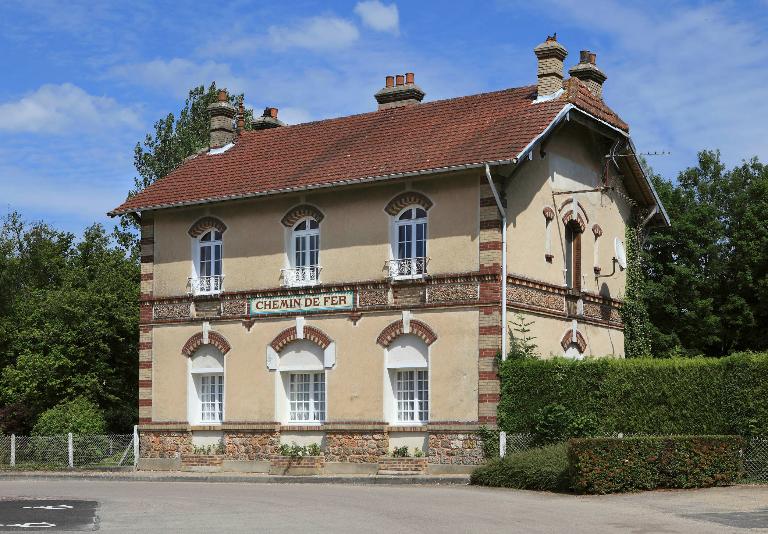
(298, 465)
(402, 466)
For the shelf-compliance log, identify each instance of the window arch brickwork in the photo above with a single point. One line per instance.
(196, 341)
(205, 224)
(568, 339)
(409, 198)
(396, 329)
(299, 212)
(311, 333)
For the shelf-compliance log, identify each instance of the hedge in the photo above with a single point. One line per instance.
(641, 396)
(544, 468)
(610, 465)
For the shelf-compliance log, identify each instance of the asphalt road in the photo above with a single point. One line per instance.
(113, 506)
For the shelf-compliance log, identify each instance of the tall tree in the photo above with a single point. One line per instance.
(707, 274)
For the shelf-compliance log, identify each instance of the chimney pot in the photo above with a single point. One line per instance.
(589, 73)
(267, 120)
(399, 90)
(270, 112)
(593, 58)
(584, 56)
(223, 95)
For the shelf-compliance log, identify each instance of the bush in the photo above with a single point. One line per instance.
(544, 468)
(297, 451)
(609, 465)
(644, 396)
(400, 452)
(79, 416)
(555, 423)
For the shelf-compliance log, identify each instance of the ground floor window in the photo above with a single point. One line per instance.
(211, 398)
(412, 395)
(306, 395)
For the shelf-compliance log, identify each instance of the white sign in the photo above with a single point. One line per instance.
(336, 300)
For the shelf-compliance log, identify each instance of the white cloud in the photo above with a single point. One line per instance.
(178, 75)
(315, 33)
(686, 78)
(63, 109)
(293, 115)
(380, 17)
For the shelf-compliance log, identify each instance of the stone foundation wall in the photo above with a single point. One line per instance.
(164, 444)
(463, 448)
(356, 447)
(251, 445)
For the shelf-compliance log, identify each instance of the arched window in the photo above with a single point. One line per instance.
(410, 243)
(302, 376)
(209, 276)
(572, 266)
(407, 396)
(206, 386)
(305, 254)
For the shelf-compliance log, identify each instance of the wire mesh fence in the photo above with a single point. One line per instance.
(67, 451)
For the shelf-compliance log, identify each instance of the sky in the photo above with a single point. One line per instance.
(84, 81)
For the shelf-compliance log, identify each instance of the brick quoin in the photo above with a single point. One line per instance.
(145, 402)
(145, 365)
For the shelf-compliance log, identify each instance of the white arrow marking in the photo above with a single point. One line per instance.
(50, 507)
(31, 525)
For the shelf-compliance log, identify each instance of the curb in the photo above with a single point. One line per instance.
(386, 480)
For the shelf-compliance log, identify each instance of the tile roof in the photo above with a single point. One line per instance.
(445, 133)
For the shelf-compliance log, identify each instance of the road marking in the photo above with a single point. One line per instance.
(50, 507)
(30, 525)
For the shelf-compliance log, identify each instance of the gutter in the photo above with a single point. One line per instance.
(503, 212)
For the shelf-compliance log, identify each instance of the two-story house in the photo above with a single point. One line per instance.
(350, 281)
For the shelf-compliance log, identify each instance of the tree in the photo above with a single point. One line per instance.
(174, 140)
(69, 327)
(707, 275)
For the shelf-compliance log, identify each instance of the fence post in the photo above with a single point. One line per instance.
(13, 450)
(70, 450)
(502, 444)
(135, 446)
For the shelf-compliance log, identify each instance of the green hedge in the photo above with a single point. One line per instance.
(544, 468)
(609, 465)
(645, 396)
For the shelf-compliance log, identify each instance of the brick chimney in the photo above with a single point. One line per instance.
(267, 120)
(589, 73)
(222, 114)
(550, 55)
(400, 90)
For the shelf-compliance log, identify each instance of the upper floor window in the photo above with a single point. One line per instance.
(410, 246)
(305, 254)
(209, 276)
(573, 256)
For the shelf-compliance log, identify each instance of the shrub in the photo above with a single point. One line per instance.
(543, 468)
(79, 416)
(643, 396)
(400, 452)
(555, 423)
(297, 451)
(609, 465)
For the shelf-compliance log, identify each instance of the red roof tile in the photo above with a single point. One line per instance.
(445, 133)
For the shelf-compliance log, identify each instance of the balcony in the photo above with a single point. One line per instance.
(301, 276)
(407, 268)
(206, 285)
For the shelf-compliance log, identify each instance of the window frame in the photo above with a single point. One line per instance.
(197, 245)
(216, 381)
(195, 393)
(572, 257)
(395, 225)
(420, 396)
(311, 401)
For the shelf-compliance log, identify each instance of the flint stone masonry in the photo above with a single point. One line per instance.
(164, 444)
(455, 448)
(251, 445)
(356, 447)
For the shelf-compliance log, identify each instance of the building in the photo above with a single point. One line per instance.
(350, 281)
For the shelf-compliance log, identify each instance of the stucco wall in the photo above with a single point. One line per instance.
(355, 386)
(354, 240)
(572, 162)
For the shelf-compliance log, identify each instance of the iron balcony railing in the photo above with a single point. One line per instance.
(407, 268)
(206, 285)
(301, 276)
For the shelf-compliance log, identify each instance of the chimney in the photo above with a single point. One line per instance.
(240, 117)
(550, 55)
(267, 120)
(589, 73)
(400, 90)
(221, 113)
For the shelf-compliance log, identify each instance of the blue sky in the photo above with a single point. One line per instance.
(84, 81)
